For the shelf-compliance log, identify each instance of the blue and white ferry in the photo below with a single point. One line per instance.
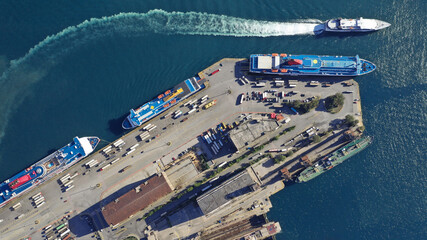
(164, 101)
(309, 65)
(46, 168)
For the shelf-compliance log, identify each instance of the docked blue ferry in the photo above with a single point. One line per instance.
(162, 102)
(46, 168)
(309, 65)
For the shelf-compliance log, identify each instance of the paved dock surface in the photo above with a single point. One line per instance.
(93, 189)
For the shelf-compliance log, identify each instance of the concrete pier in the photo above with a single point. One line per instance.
(171, 140)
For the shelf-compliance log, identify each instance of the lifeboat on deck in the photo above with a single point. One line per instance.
(173, 101)
(167, 92)
(283, 70)
(160, 96)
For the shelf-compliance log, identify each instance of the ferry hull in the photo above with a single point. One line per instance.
(163, 102)
(354, 25)
(46, 168)
(309, 65)
(334, 159)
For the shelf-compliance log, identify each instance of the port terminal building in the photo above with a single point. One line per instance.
(223, 194)
(250, 131)
(136, 199)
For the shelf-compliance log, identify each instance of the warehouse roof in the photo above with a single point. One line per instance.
(250, 131)
(136, 200)
(222, 194)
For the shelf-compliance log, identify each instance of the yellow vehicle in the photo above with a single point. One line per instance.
(210, 104)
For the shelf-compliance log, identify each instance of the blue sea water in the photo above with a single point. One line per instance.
(76, 67)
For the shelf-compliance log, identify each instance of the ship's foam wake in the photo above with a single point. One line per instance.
(23, 72)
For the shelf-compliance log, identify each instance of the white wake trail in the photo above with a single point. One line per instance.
(31, 68)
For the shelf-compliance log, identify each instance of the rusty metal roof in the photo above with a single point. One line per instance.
(133, 201)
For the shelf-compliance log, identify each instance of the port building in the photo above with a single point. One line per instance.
(136, 199)
(248, 132)
(221, 195)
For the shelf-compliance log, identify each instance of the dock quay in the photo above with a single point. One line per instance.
(237, 141)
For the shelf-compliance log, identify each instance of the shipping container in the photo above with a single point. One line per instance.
(16, 206)
(69, 187)
(39, 200)
(38, 197)
(74, 175)
(38, 194)
(65, 233)
(68, 183)
(116, 160)
(65, 177)
(134, 146)
(131, 151)
(107, 149)
(118, 142)
(178, 115)
(93, 164)
(39, 205)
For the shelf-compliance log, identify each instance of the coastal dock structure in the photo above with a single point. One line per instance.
(93, 190)
(222, 194)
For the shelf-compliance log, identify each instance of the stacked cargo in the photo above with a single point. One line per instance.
(177, 114)
(149, 127)
(144, 136)
(91, 163)
(214, 142)
(119, 143)
(67, 182)
(38, 200)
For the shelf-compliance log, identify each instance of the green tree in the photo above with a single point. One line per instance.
(304, 107)
(351, 121)
(197, 184)
(289, 153)
(316, 138)
(334, 103)
(279, 158)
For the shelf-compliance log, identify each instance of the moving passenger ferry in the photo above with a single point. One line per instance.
(354, 25)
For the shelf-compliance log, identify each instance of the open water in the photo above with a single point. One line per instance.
(75, 68)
